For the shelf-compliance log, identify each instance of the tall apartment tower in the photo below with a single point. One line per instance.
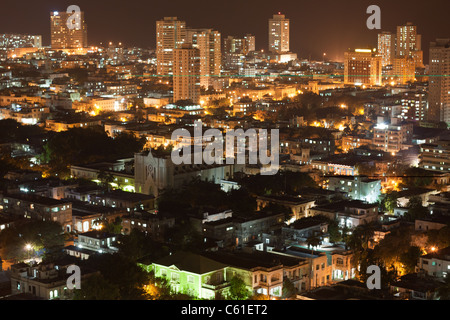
(278, 34)
(170, 35)
(409, 43)
(439, 83)
(63, 37)
(386, 48)
(362, 67)
(208, 42)
(250, 40)
(186, 73)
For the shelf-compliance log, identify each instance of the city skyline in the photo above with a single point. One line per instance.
(134, 24)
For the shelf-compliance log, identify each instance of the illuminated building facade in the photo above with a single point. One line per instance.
(386, 48)
(362, 67)
(208, 42)
(279, 34)
(186, 74)
(170, 35)
(64, 38)
(439, 82)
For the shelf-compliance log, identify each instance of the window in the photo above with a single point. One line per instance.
(190, 279)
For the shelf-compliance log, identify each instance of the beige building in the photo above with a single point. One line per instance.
(409, 43)
(439, 83)
(386, 48)
(186, 72)
(64, 38)
(170, 35)
(208, 42)
(362, 67)
(279, 34)
(404, 70)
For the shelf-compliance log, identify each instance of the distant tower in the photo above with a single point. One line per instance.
(439, 82)
(186, 74)
(170, 35)
(278, 34)
(386, 48)
(208, 42)
(64, 38)
(409, 44)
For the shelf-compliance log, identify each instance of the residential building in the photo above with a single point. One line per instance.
(208, 42)
(435, 264)
(186, 73)
(435, 156)
(63, 37)
(439, 81)
(36, 207)
(192, 274)
(409, 44)
(45, 281)
(279, 33)
(392, 137)
(356, 187)
(386, 48)
(170, 35)
(362, 67)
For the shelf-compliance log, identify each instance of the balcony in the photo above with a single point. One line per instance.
(215, 287)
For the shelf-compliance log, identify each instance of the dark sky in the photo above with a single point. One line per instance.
(317, 26)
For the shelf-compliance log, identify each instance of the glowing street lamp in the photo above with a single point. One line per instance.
(28, 248)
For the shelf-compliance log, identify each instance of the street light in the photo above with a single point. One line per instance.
(28, 247)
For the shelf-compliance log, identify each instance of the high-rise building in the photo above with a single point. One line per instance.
(208, 42)
(235, 49)
(386, 48)
(439, 83)
(170, 35)
(279, 34)
(63, 37)
(362, 67)
(250, 41)
(409, 43)
(404, 69)
(186, 73)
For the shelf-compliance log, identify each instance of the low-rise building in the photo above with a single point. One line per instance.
(37, 207)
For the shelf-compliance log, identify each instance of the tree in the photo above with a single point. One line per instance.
(121, 272)
(238, 289)
(443, 292)
(334, 231)
(390, 201)
(106, 178)
(46, 237)
(96, 287)
(409, 258)
(289, 289)
(416, 210)
(313, 241)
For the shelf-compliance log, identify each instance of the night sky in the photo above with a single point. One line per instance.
(316, 26)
